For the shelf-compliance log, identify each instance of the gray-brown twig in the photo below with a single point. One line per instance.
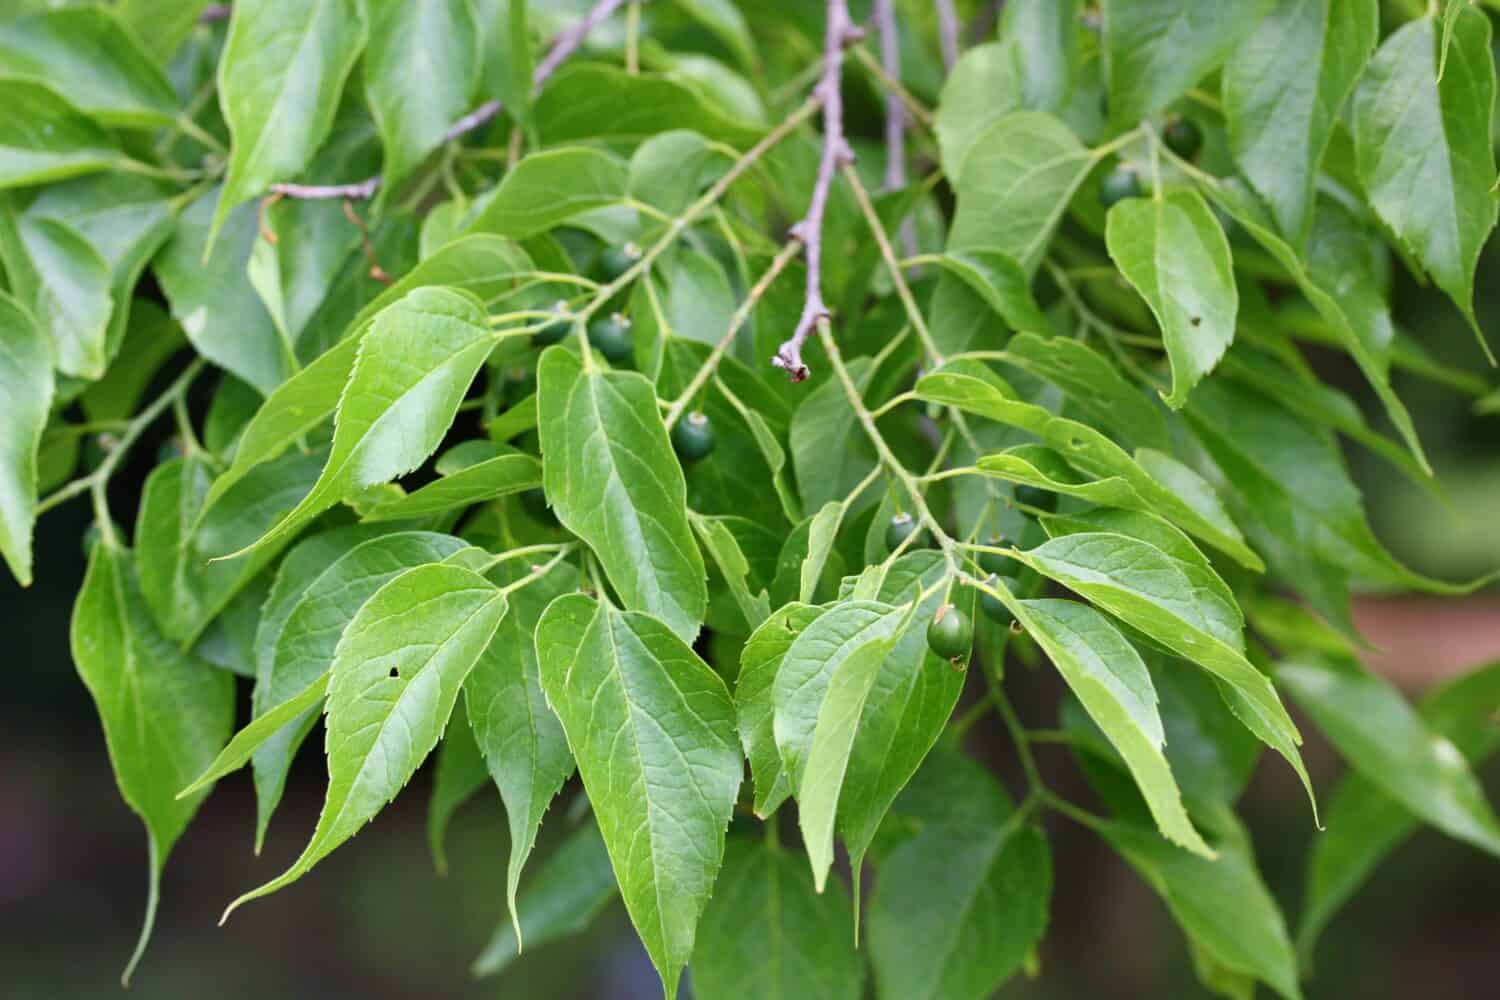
(947, 31)
(839, 32)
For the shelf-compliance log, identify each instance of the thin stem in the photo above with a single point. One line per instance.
(895, 109)
(633, 38)
(895, 401)
(839, 32)
(741, 315)
(1017, 733)
(892, 264)
(920, 113)
(560, 552)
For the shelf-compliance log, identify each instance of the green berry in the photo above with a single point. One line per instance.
(1035, 496)
(994, 563)
(693, 437)
(615, 261)
(951, 634)
(994, 609)
(613, 338)
(1120, 183)
(902, 526)
(1182, 137)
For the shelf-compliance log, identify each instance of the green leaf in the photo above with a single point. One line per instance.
(962, 901)
(126, 219)
(1149, 590)
(613, 480)
(1423, 148)
(246, 743)
(489, 480)
(565, 895)
(669, 169)
(71, 145)
(721, 544)
(1156, 50)
(830, 453)
(26, 385)
(389, 698)
(213, 299)
(410, 375)
(1279, 127)
(1109, 678)
(522, 741)
(652, 728)
(160, 26)
(760, 661)
(320, 587)
(482, 264)
(165, 713)
(1365, 824)
(460, 772)
(183, 589)
(724, 19)
(598, 103)
(106, 74)
(279, 80)
(1342, 284)
(1093, 384)
(998, 279)
(434, 41)
(1172, 249)
(1292, 491)
(65, 284)
(910, 702)
(1221, 905)
(1186, 501)
(1016, 182)
(767, 934)
(549, 187)
(1385, 741)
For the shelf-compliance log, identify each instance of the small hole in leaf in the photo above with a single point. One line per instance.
(1196, 320)
(395, 672)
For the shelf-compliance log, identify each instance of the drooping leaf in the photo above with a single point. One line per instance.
(1365, 824)
(1222, 905)
(1423, 147)
(64, 283)
(521, 740)
(434, 41)
(652, 729)
(460, 772)
(1017, 180)
(389, 697)
(766, 933)
(319, 588)
(563, 898)
(1145, 588)
(488, 480)
(1196, 509)
(549, 187)
(962, 899)
(613, 480)
(26, 385)
(72, 145)
(760, 660)
(165, 713)
(830, 452)
(1156, 50)
(214, 300)
(733, 567)
(1172, 249)
(1279, 125)
(1386, 742)
(280, 78)
(1109, 678)
(108, 77)
(1094, 384)
(409, 376)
